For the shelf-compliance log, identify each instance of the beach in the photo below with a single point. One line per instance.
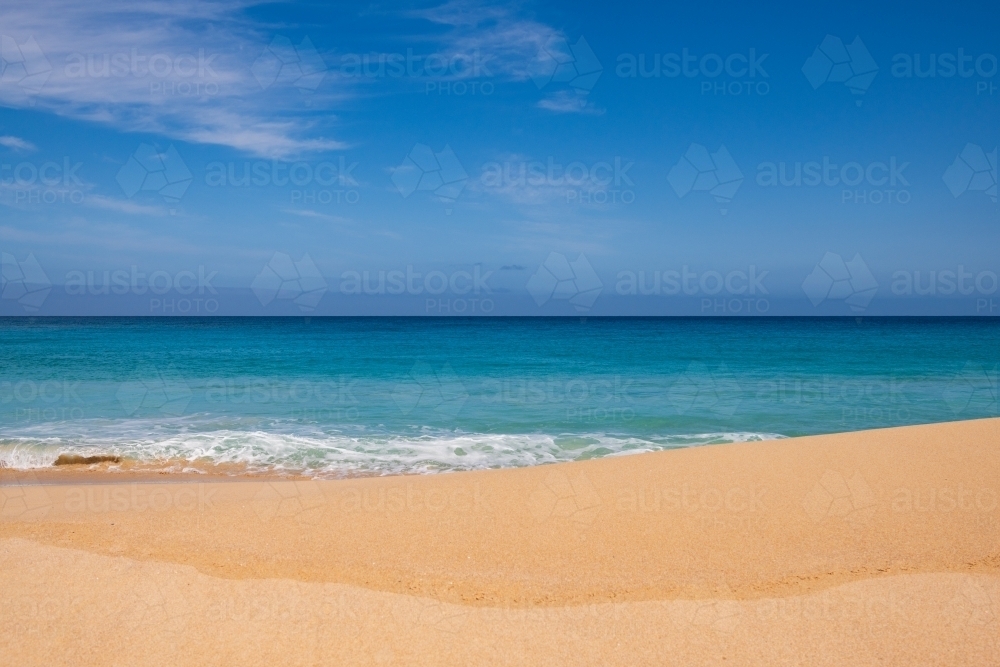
(871, 547)
(464, 332)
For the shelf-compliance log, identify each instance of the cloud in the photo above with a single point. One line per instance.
(182, 68)
(271, 139)
(528, 183)
(179, 68)
(316, 215)
(512, 46)
(565, 101)
(18, 144)
(123, 206)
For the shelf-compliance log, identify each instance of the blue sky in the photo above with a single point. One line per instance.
(126, 130)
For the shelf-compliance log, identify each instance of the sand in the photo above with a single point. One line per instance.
(876, 547)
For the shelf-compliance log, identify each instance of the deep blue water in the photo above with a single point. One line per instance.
(339, 396)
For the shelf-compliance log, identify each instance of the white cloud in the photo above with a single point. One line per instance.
(513, 46)
(316, 215)
(17, 144)
(200, 90)
(204, 91)
(123, 206)
(512, 178)
(564, 101)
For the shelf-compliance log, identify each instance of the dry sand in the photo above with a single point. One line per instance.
(877, 547)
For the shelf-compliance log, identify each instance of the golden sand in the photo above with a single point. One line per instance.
(877, 547)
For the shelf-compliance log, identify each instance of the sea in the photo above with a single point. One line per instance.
(340, 397)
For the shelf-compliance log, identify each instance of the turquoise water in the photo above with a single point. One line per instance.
(342, 396)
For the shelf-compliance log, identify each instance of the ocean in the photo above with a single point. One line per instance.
(335, 397)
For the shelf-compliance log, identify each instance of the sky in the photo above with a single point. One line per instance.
(476, 158)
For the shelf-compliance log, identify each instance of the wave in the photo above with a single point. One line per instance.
(334, 454)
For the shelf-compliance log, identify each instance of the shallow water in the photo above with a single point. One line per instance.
(343, 396)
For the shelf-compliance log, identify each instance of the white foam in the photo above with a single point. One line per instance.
(336, 454)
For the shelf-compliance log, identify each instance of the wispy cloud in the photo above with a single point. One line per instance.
(180, 68)
(544, 186)
(564, 101)
(185, 69)
(316, 215)
(17, 144)
(511, 44)
(123, 206)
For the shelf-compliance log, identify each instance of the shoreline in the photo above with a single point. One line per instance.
(902, 516)
(749, 494)
(127, 469)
